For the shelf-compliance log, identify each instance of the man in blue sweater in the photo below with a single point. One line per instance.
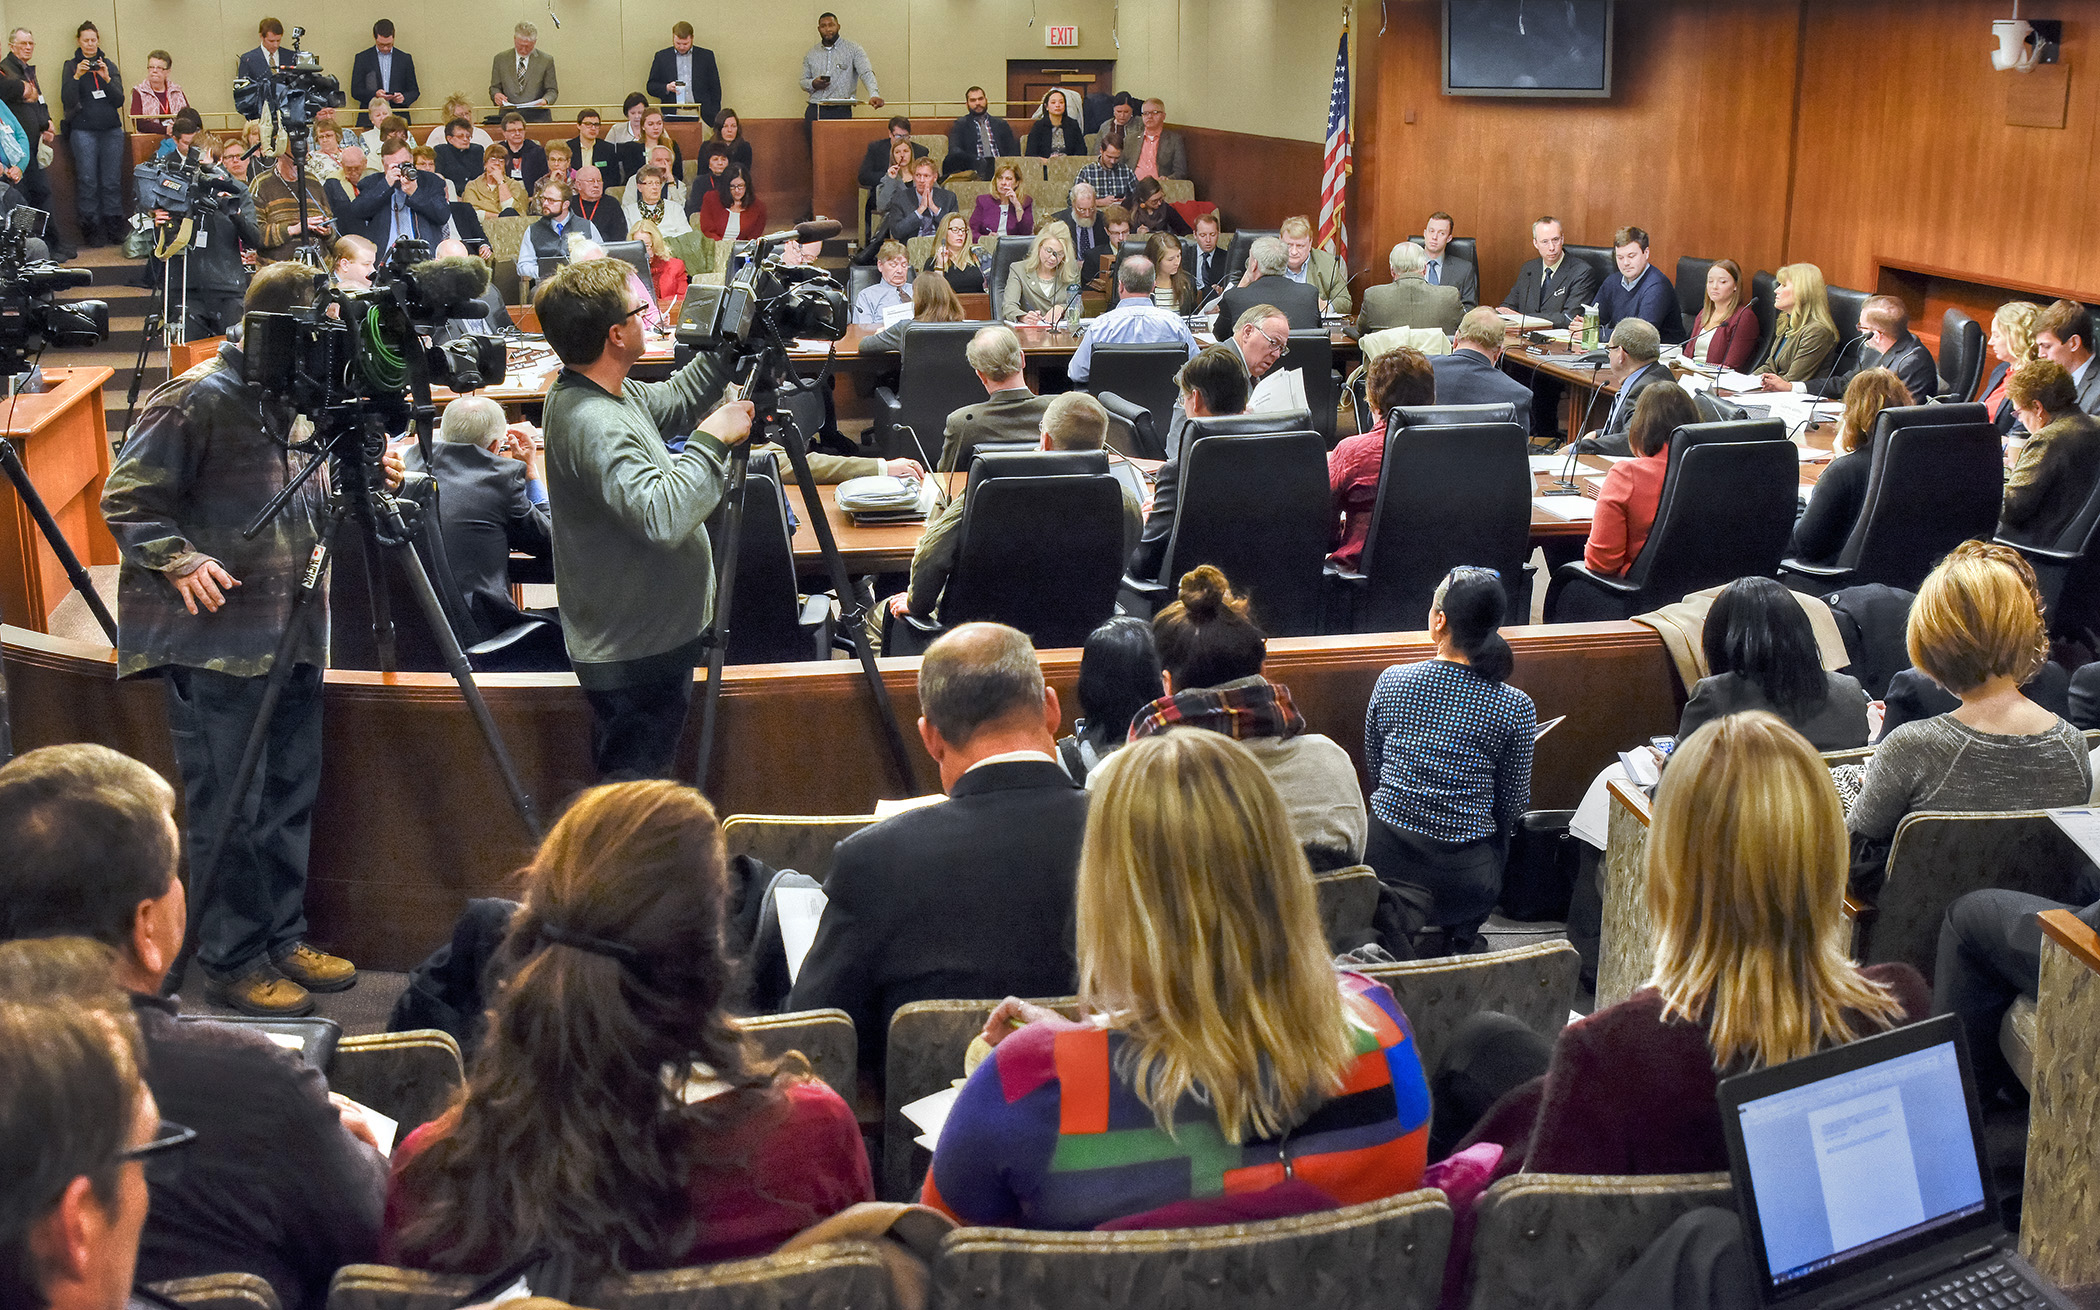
(1640, 290)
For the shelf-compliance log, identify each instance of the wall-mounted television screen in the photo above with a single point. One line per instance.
(1559, 48)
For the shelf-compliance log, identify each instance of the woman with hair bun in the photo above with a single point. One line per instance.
(613, 1116)
(1212, 653)
(1449, 745)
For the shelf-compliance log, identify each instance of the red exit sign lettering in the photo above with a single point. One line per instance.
(1061, 36)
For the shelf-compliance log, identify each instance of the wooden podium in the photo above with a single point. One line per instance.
(63, 440)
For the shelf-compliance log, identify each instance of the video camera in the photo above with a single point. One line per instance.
(765, 304)
(293, 94)
(181, 185)
(30, 318)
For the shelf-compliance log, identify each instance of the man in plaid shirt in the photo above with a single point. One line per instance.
(1111, 179)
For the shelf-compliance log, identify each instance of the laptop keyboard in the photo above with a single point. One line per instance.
(1990, 1287)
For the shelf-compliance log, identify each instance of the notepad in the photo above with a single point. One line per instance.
(1568, 509)
(1548, 726)
(2081, 825)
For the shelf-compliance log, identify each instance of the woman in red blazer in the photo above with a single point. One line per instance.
(1725, 333)
(733, 194)
(1632, 491)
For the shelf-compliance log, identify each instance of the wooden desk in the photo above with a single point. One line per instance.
(1589, 476)
(63, 440)
(1583, 388)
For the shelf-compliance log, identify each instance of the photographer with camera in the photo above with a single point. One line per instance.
(631, 554)
(398, 201)
(22, 95)
(203, 216)
(202, 607)
(92, 95)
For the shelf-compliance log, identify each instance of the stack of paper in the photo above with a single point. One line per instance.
(1568, 509)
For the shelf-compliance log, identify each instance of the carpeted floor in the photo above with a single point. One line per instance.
(361, 1010)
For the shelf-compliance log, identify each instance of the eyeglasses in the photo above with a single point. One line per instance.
(1274, 344)
(155, 1154)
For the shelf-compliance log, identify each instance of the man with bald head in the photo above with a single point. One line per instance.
(971, 896)
(595, 207)
(493, 488)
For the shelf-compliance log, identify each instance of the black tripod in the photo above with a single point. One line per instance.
(769, 363)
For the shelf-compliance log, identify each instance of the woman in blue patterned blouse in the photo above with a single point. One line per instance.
(1448, 746)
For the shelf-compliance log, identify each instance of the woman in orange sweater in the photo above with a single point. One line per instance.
(1632, 491)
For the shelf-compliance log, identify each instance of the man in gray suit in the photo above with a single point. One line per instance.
(1470, 375)
(522, 78)
(1011, 411)
(1156, 152)
(1408, 300)
(2064, 333)
(1634, 351)
(1444, 268)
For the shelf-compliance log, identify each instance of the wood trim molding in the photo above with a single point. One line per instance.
(2069, 931)
(1634, 799)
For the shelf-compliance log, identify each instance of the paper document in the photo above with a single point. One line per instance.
(801, 909)
(1548, 726)
(1731, 380)
(1568, 509)
(929, 1114)
(2082, 826)
(1641, 767)
(1810, 455)
(1524, 322)
(885, 808)
(895, 314)
(1281, 391)
(384, 1130)
(1547, 463)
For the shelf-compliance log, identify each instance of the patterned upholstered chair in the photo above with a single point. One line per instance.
(219, 1292)
(802, 842)
(1348, 898)
(1936, 857)
(2060, 1208)
(1385, 1254)
(824, 1037)
(410, 1077)
(1626, 946)
(833, 1276)
(1533, 983)
(1556, 1241)
(927, 1042)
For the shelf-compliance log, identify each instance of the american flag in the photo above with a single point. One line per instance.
(1334, 179)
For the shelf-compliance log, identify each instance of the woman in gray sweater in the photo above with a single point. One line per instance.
(1976, 628)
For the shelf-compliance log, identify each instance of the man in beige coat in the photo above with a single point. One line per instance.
(1409, 300)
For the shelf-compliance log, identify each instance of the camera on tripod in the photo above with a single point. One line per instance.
(767, 302)
(182, 185)
(292, 94)
(30, 316)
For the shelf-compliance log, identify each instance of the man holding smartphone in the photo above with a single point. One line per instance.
(683, 76)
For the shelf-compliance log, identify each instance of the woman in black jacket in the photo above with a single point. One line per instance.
(93, 96)
(1055, 132)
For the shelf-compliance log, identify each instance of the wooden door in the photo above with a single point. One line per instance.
(1028, 79)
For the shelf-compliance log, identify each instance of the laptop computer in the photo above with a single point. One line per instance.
(1862, 1182)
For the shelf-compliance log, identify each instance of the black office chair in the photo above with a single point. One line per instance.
(1448, 494)
(1444, 416)
(2068, 573)
(1845, 305)
(934, 380)
(1236, 255)
(1004, 255)
(1691, 289)
(1937, 480)
(1133, 429)
(770, 621)
(1143, 373)
(859, 278)
(1597, 257)
(1961, 357)
(1040, 548)
(1727, 509)
(635, 253)
(1256, 507)
(1764, 292)
(1462, 247)
(1312, 353)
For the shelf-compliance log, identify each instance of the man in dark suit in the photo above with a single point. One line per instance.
(391, 204)
(1885, 342)
(2063, 333)
(1554, 285)
(1265, 284)
(978, 138)
(1204, 259)
(494, 502)
(1084, 220)
(383, 70)
(1635, 366)
(1444, 268)
(255, 64)
(1470, 375)
(683, 76)
(971, 897)
(918, 210)
(589, 148)
(1009, 412)
(875, 160)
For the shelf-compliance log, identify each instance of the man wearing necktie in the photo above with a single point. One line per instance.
(522, 78)
(1445, 268)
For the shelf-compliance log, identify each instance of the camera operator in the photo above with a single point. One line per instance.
(92, 94)
(203, 608)
(213, 276)
(631, 555)
(398, 201)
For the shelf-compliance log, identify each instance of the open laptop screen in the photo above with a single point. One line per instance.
(1853, 1158)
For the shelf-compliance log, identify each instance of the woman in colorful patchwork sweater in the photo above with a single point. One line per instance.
(1227, 1072)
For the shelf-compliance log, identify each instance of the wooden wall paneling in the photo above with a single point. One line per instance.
(412, 819)
(1692, 145)
(1904, 151)
(1256, 181)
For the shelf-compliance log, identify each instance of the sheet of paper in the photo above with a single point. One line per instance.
(1281, 390)
(383, 1129)
(929, 1114)
(1548, 726)
(1733, 381)
(1524, 322)
(885, 808)
(2081, 825)
(1547, 463)
(801, 909)
(1568, 509)
(1640, 766)
(895, 314)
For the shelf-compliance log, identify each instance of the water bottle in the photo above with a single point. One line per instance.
(1589, 327)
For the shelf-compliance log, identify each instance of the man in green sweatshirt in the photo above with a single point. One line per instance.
(631, 556)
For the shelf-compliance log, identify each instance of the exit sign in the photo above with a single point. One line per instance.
(1061, 36)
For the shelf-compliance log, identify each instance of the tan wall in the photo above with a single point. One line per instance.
(1240, 65)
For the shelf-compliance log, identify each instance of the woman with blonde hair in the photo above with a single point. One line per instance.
(954, 256)
(2012, 344)
(1172, 288)
(1222, 1052)
(1804, 334)
(1041, 288)
(1821, 531)
(457, 106)
(613, 1116)
(1976, 629)
(1003, 209)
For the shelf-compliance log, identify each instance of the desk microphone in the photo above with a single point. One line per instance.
(1566, 483)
